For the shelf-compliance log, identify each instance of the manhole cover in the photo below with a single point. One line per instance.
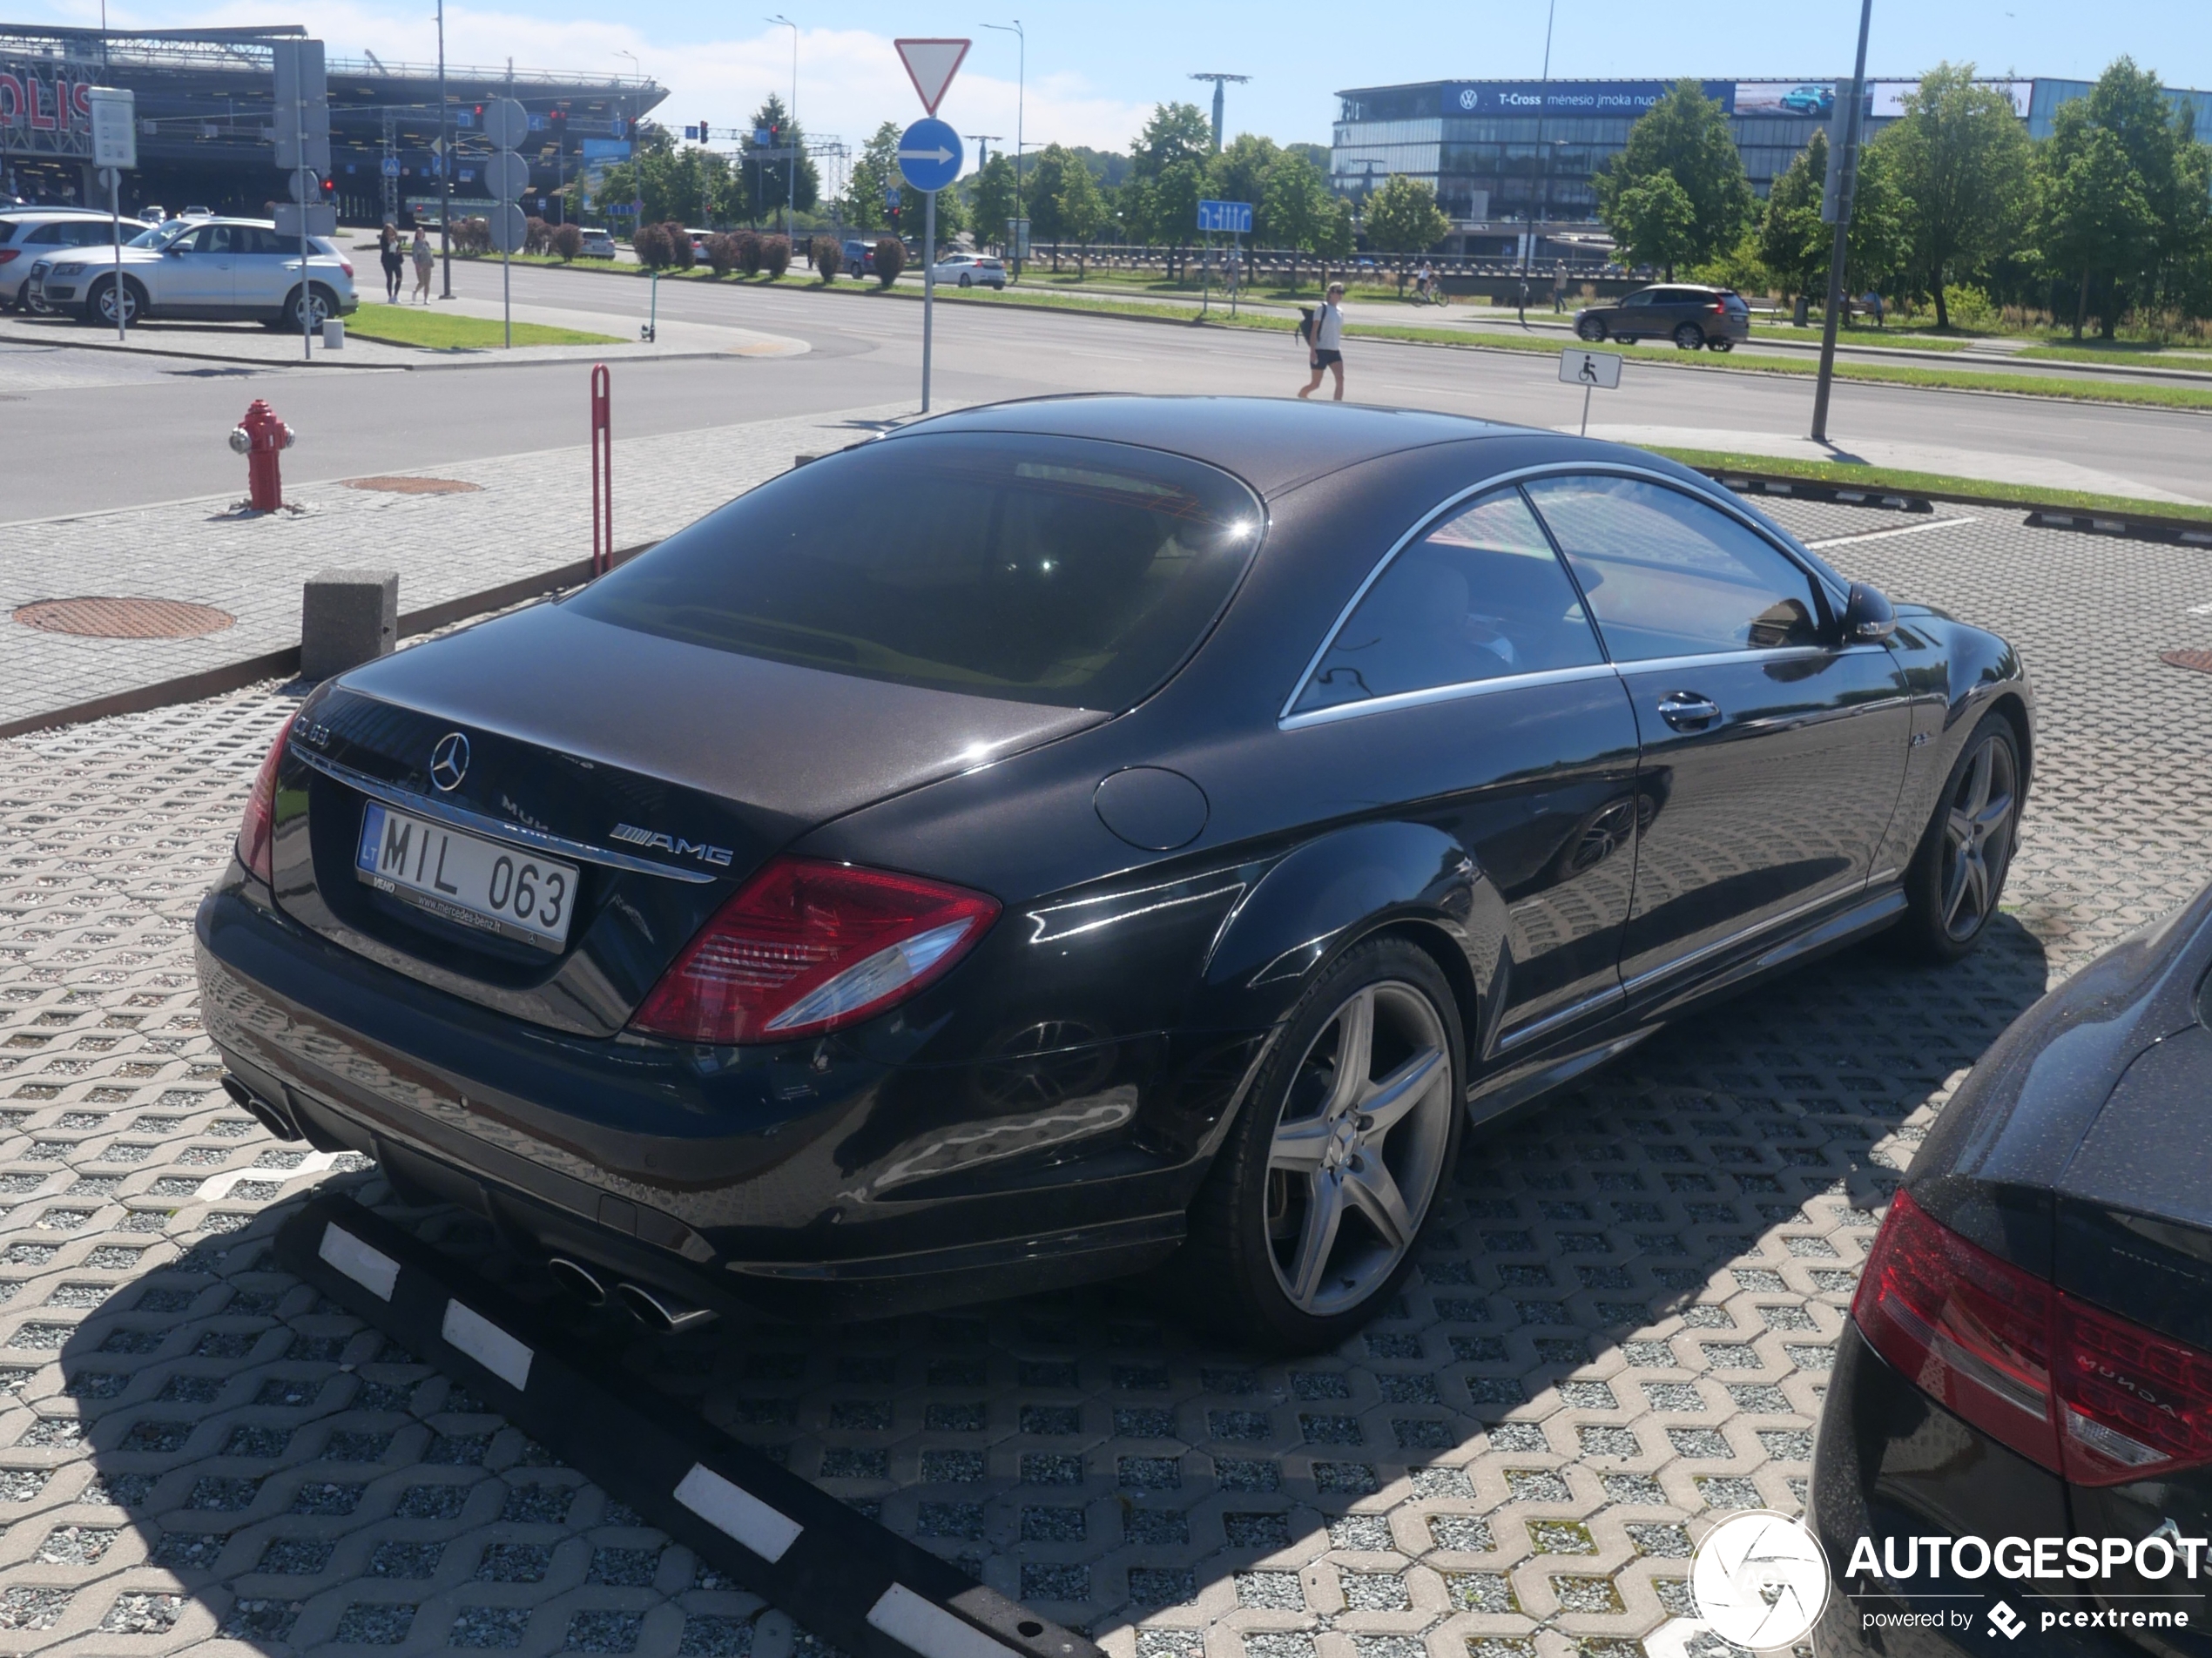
(124, 618)
(414, 486)
(2199, 660)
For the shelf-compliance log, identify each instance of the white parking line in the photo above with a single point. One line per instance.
(1903, 530)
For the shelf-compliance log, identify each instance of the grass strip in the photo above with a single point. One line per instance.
(1934, 484)
(2122, 355)
(399, 325)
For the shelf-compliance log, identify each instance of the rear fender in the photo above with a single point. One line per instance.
(1331, 892)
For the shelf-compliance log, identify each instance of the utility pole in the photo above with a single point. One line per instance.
(790, 120)
(1836, 203)
(445, 161)
(1528, 241)
(1021, 89)
(1219, 81)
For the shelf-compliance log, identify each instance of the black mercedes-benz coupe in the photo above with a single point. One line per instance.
(2021, 1407)
(1067, 835)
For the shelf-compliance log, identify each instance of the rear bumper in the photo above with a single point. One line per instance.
(799, 1179)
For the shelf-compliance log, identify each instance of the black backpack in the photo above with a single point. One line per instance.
(1305, 323)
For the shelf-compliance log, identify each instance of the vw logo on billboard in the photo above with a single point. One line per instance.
(1469, 98)
(449, 761)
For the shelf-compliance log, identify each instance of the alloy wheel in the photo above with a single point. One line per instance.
(1358, 1152)
(316, 307)
(106, 304)
(1977, 837)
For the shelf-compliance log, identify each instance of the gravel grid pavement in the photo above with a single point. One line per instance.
(1619, 1329)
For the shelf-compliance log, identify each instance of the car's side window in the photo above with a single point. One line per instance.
(1668, 576)
(46, 235)
(93, 234)
(1480, 596)
(258, 240)
(1643, 298)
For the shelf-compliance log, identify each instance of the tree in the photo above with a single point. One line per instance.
(2096, 218)
(873, 176)
(1684, 138)
(1169, 158)
(991, 200)
(1963, 168)
(1048, 171)
(1403, 218)
(1796, 246)
(1083, 210)
(690, 186)
(1177, 132)
(768, 180)
(1240, 173)
(1300, 213)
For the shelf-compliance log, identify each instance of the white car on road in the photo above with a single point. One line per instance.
(215, 268)
(971, 270)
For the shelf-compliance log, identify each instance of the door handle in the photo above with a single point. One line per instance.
(1688, 712)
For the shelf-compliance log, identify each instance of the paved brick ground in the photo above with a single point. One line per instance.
(530, 512)
(1620, 1329)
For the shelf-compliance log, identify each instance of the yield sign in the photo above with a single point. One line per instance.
(931, 66)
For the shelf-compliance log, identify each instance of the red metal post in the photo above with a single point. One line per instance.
(261, 437)
(603, 471)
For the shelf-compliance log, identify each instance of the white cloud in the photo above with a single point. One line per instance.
(850, 80)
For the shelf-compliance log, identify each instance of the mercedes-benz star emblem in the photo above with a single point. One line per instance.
(449, 761)
(1760, 1579)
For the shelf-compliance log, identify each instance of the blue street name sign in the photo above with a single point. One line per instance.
(929, 155)
(1233, 216)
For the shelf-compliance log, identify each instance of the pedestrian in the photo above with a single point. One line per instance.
(1875, 307)
(1559, 287)
(425, 262)
(1328, 341)
(395, 262)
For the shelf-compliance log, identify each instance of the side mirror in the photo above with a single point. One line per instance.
(1868, 619)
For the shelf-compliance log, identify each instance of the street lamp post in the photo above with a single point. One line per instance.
(1846, 180)
(791, 192)
(445, 161)
(1020, 92)
(1543, 157)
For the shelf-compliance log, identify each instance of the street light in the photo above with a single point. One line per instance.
(791, 193)
(445, 161)
(1846, 182)
(1020, 91)
(1544, 155)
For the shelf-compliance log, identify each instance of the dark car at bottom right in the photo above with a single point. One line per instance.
(2017, 1440)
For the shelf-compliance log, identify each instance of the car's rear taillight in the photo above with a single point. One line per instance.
(2083, 1392)
(7, 254)
(806, 947)
(255, 828)
(1720, 308)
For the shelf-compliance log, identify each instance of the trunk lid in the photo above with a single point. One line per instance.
(664, 774)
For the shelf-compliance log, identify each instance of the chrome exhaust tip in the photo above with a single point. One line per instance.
(658, 1310)
(579, 1281)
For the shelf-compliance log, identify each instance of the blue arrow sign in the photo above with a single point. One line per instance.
(929, 155)
(1233, 216)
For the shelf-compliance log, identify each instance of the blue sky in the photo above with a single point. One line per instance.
(1095, 70)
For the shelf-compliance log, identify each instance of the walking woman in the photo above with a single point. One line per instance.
(394, 261)
(426, 261)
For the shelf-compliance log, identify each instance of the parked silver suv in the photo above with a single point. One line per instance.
(218, 268)
(29, 234)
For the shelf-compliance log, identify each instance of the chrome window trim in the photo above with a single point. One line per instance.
(1397, 699)
(497, 828)
(1288, 719)
(1724, 658)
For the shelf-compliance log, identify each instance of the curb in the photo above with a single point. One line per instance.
(2135, 526)
(285, 664)
(324, 360)
(847, 1577)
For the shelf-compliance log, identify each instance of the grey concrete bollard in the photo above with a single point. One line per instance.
(347, 617)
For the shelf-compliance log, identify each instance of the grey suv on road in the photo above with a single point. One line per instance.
(1690, 315)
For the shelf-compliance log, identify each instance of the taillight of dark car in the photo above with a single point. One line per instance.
(2086, 1394)
(254, 829)
(806, 947)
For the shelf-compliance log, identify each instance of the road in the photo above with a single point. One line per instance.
(88, 432)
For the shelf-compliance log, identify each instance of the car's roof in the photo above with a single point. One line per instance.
(1270, 442)
(53, 212)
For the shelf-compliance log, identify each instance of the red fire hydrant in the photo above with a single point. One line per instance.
(260, 437)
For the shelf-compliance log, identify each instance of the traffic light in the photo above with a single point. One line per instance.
(330, 189)
(703, 134)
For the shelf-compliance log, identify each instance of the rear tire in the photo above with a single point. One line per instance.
(1957, 876)
(1312, 1212)
(1690, 337)
(1591, 328)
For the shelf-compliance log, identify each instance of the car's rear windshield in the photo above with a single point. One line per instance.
(1041, 570)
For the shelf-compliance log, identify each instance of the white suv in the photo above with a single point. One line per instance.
(220, 268)
(28, 235)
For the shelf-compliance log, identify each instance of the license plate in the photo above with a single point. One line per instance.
(466, 879)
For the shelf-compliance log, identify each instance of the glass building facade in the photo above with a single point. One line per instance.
(1504, 157)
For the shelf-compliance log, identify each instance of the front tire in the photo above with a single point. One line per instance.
(1311, 1215)
(1958, 874)
(100, 303)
